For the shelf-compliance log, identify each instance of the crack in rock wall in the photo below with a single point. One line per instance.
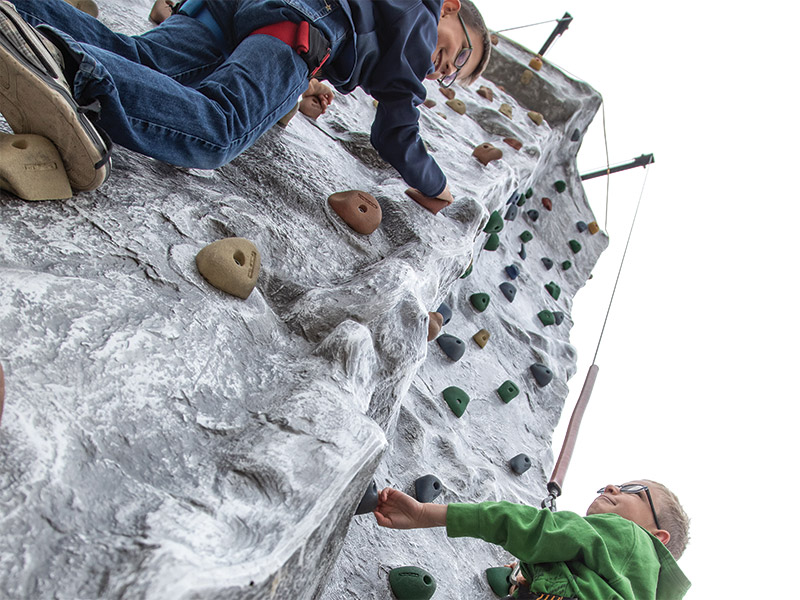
(162, 439)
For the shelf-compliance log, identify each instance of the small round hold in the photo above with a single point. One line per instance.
(486, 152)
(513, 142)
(479, 301)
(511, 213)
(547, 203)
(566, 265)
(581, 226)
(509, 291)
(358, 209)
(536, 63)
(231, 265)
(541, 374)
(593, 227)
(526, 236)
(411, 583)
(427, 488)
(482, 338)
(457, 399)
(536, 117)
(448, 92)
(507, 391)
(553, 289)
(434, 325)
(575, 246)
(522, 253)
(546, 317)
(369, 501)
(492, 243)
(547, 262)
(505, 109)
(560, 186)
(576, 135)
(494, 39)
(452, 346)
(520, 463)
(559, 317)
(533, 214)
(429, 102)
(526, 77)
(446, 312)
(457, 105)
(486, 93)
(512, 271)
(495, 223)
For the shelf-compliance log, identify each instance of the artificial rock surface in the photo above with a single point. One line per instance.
(163, 439)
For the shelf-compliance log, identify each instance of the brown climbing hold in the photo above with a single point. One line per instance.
(432, 204)
(435, 321)
(536, 117)
(494, 39)
(88, 6)
(444, 116)
(375, 103)
(160, 12)
(457, 105)
(593, 227)
(486, 153)
(231, 265)
(31, 168)
(505, 109)
(485, 92)
(547, 203)
(526, 77)
(284, 120)
(513, 142)
(429, 103)
(358, 209)
(449, 93)
(536, 63)
(481, 338)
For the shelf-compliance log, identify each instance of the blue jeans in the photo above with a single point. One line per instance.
(173, 93)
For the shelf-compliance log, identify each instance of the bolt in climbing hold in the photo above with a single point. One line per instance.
(427, 488)
(511, 213)
(495, 223)
(457, 399)
(509, 291)
(369, 501)
(492, 243)
(452, 346)
(507, 391)
(512, 271)
(581, 226)
(231, 265)
(526, 236)
(593, 227)
(547, 203)
(548, 263)
(499, 579)
(446, 312)
(480, 301)
(575, 246)
(533, 214)
(559, 317)
(546, 317)
(481, 338)
(411, 583)
(554, 290)
(520, 463)
(566, 265)
(541, 374)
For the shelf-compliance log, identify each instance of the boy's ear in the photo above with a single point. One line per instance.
(662, 535)
(450, 7)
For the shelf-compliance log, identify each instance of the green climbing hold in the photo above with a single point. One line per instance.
(495, 223)
(468, 271)
(507, 391)
(492, 243)
(457, 399)
(526, 236)
(529, 193)
(566, 265)
(575, 246)
(499, 579)
(480, 301)
(554, 290)
(546, 317)
(560, 186)
(521, 201)
(411, 583)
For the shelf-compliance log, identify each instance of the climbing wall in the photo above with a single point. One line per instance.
(163, 439)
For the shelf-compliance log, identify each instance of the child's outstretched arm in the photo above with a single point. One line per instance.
(400, 511)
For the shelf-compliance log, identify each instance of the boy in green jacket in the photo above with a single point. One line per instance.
(624, 548)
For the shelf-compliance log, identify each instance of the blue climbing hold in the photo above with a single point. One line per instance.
(493, 243)
(369, 501)
(511, 213)
(522, 254)
(553, 289)
(412, 583)
(559, 317)
(581, 226)
(457, 399)
(452, 346)
(509, 291)
(533, 214)
(427, 488)
(446, 312)
(541, 374)
(520, 463)
(512, 271)
(495, 224)
(548, 263)
(513, 198)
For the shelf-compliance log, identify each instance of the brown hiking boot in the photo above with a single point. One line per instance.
(36, 98)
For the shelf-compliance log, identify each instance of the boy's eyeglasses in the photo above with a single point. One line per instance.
(461, 59)
(635, 488)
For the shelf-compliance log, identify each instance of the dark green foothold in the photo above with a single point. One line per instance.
(427, 488)
(520, 463)
(548, 263)
(533, 214)
(499, 579)
(526, 236)
(452, 346)
(479, 301)
(529, 193)
(546, 317)
(495, 223)
(566, 265)
(492, 243)
(554, 290)
(521, 201)
(582, 226)
(468, 271)
(507, 391)
(559, 317)
(576, 135)
(541, 374)
(369, 501)
(509, 291)
(457, 399)
(411, 583)
(560, 186)
(511, 212)
(575, 246)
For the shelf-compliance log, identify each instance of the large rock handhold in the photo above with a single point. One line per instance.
(411, 583)
(541, 374)
(358, 209)
(427, 488)
(452, 346)
(486, 153)
(457, 105)
(369, 501)
(31, 168)
(499, 579)
(457, 399)
(520, 463)
(231, 265)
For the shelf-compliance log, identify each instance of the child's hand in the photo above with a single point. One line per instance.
(397, 510)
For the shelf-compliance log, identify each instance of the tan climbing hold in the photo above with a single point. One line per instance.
(494, 39)
(434, 205)
(31, 168)
(358, 209)
(444, 116)
(593, 227)
(536, 117)
(87, 6)
(486, 153)
(375, 103)
(526, 77)
(448, 92)
(481, 338)
(505, 109)
(161, 11)
(513, 142)
(284, 121)
(231, 265)
(429, 103)
(536, 63)
(435, 321)
(457, 105)
(485, 92)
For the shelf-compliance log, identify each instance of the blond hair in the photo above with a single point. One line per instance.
(472, 18)
(671, 517)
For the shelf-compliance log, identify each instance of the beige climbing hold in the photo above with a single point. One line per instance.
(450, 93)
(87, 6)
(485, 92)
(536, 63)
(444, 116)
(31, 168)
(536, 117)
(231, 265)
(593, 227)
(161, 11)
(375, 103)
(435, 321)
(358, 209)
(284, 121)
(505, 109)
(486, 153)
(526, 77)
(481, 338)
(429, 103)
(457, 105)
(494, 39)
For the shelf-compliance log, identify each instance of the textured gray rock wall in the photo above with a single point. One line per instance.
(162, 439)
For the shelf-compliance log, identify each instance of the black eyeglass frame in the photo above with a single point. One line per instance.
(443, 81)
(635, 488)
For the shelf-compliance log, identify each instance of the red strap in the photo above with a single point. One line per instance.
(293, 34)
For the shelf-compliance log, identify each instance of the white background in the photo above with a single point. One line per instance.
(698, 365)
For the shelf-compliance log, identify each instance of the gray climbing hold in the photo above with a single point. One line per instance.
(513, 198)
(559, 317)
(533, 214)
(511, 213)
(581, 226)
(520, 463)
(509, 291)
(512, 271)
(446, 312)
(452, 346)
(522, 254)
(427, 488)
(576, 135)
(548, 263)
(370, 500)
(541, 374)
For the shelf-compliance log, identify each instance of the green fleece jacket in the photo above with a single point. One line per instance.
(598, 557)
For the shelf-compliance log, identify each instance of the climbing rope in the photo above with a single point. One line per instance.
(531, 25)
(608, 165)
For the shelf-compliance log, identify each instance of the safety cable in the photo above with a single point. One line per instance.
(608, 165)
(531, 25)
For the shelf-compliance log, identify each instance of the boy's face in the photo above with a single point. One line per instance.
(453, 40)
(634, 507)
